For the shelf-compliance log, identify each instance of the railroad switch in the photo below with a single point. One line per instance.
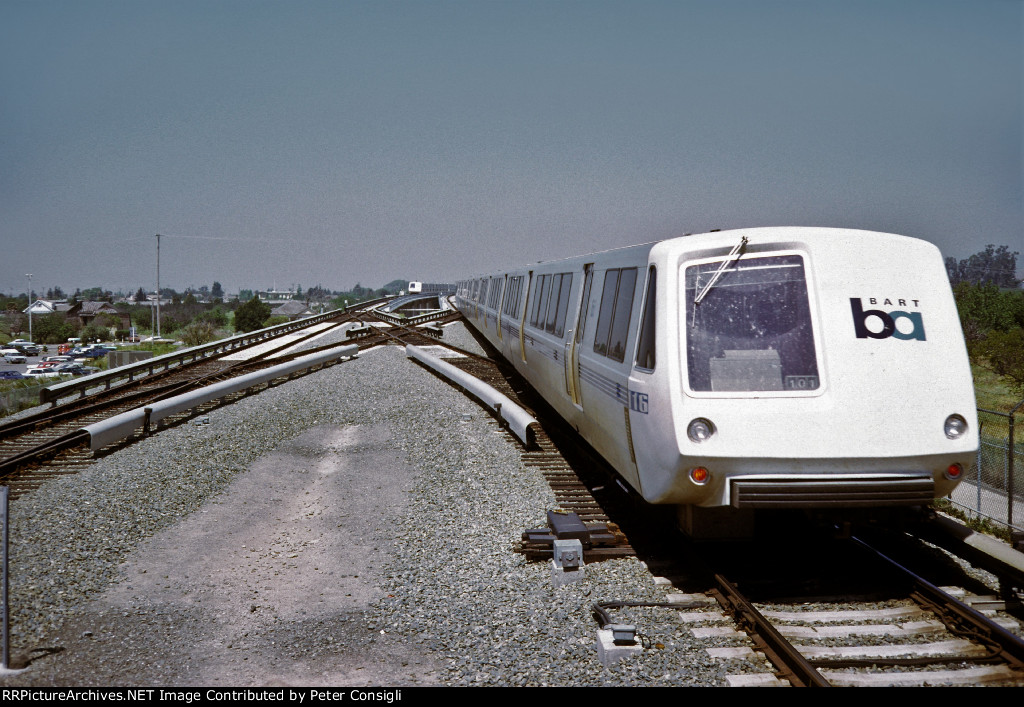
(596, 539)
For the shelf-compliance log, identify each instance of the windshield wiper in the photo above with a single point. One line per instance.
(734, 254)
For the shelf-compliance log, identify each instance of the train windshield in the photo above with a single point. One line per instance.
(751, 331)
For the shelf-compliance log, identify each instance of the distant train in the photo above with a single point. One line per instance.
(416, 287)
(766, 368)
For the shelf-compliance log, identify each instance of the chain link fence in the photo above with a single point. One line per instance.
(18, 398)
(993, 489)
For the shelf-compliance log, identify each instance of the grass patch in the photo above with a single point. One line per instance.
(993, 391)
(975, 523)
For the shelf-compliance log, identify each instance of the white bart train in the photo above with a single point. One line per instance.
(764, 368)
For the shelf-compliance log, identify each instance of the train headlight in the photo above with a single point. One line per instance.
(955, 426)
(700, 429)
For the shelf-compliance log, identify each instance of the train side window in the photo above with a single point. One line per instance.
(540, 307)
(623, 311)
(645, 358)
(604, 314)
(588, 279)
(563, 305)
(613, 317)
(549, 317)
(495, 297)
(515, 286)
(558, 304)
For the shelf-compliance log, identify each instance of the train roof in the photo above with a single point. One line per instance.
(803, 232)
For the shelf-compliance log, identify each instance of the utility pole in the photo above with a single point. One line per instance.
(158, 285)
(29, 276)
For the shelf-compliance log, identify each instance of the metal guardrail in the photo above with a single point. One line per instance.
(53, 393)
(124, 425)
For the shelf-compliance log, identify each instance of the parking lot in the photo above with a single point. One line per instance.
(86, 361)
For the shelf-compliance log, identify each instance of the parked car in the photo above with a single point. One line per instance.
(76, 369)
(55, 359)
(10, 376)
(12, 356)
(90, 354)
(26, 347)
(44, 372)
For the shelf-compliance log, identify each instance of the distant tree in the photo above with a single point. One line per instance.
(197, 333)
(190, 300)
(217, 292)
(244, 295)
(318, 294)
(988, 307)
(992, 266)
(170, 323)
(216, 316)
(94, 332)
(251, 315)
(1004, 351)
(140, 296)
(52, 329)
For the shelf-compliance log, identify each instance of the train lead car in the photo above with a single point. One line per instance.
(734, 371)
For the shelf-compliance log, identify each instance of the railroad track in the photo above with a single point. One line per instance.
(50, 442)
(579, 479)
(923, 636)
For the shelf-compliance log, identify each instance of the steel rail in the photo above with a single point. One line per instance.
(958, 616)
(139, 400)
(177, 359)
(792, 665)
(157, 390)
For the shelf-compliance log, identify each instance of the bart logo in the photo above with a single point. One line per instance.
(888, 319)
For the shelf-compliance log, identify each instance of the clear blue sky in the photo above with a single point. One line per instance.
(339, 141)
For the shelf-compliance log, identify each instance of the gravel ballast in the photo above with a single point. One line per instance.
(351, 527)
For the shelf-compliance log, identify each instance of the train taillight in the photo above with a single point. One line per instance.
(699, 475)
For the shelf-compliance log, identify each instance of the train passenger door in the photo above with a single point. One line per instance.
(522, 317)
(641, 380)
(501, 303)
(572, 345)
